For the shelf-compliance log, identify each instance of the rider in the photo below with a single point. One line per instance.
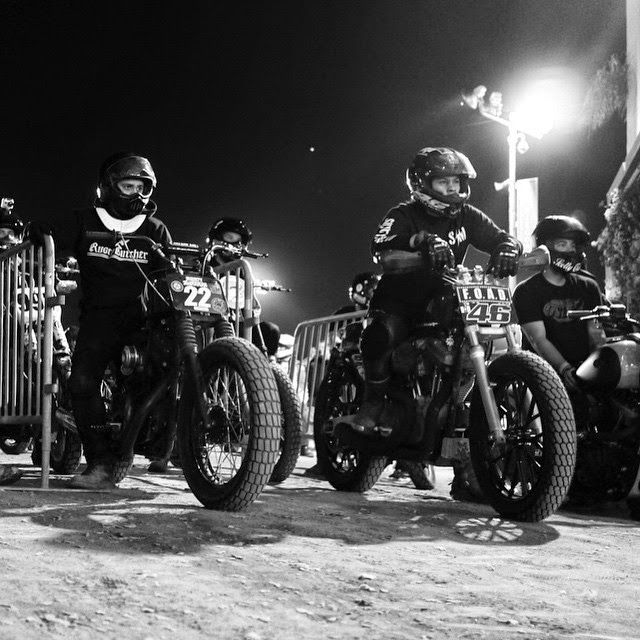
(439, 223)
(112, 276)
(542, 301)
(235, 234)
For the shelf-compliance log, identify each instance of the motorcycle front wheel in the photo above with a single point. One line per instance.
(228, 458)
(526, 477)
(291, 429)
(346, 469)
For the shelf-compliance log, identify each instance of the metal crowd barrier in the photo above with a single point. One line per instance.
(313, 342)
(237, 281)
(28, 296)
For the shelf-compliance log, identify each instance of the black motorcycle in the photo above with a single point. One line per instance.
(291, 422)
(221, 401)
(608, 412)
(450, 399)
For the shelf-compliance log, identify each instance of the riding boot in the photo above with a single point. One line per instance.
(98, 473)
(368, 416)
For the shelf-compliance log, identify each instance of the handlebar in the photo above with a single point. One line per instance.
(270, 285)
(601, 312)
(240, 252)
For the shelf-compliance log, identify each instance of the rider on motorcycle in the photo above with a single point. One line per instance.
(112, 276)
(235, 233)
(542, 301)
(438, 222)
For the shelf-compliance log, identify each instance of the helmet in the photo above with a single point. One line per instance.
(221, 230)
(11, 227)
(362, 288)
(554, 227)
(440, 162)
(123, 166)
(231, 232)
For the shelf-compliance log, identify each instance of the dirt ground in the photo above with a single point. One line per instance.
(304, 561)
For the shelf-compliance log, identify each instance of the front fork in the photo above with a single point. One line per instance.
(477, 356)
(188, 345)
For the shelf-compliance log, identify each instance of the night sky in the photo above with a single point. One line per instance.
(227, 98)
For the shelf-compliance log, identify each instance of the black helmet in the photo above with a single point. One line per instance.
(556, 227)
(439, 162)
(122, 166)
(220, 229)
(362, 287)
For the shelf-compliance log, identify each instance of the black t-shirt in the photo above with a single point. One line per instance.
(536, 299)
(397, 292)
(110, 269)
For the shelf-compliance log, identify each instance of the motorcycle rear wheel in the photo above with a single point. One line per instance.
(15, 446)
(291, 429)
(228, 461)
(65, 455)
(527, 477)
(345, 469)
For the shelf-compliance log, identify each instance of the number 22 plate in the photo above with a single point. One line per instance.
(484, 304)
(201, 295)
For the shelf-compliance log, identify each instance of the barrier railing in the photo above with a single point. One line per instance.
(237, 281)
(27, 295)
(313, 342)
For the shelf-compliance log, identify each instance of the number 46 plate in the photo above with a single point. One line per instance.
(484, 304)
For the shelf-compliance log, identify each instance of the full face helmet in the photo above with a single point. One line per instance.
(559, 227)
(121, 167)
(440, 162)
(362, 288)
(11, 226)
(228, 231)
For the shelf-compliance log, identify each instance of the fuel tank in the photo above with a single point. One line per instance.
(614, 365)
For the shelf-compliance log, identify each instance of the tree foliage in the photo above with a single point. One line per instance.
(619, 244)
(607, 93)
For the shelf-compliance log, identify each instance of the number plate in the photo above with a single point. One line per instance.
(201, 295)
(484, 304)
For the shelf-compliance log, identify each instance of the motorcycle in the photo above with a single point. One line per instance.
(220, 403)
(66, 447)
(291, 422)
(608, 412)
(452, 398)
(345, 361)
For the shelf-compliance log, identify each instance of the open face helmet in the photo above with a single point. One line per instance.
(362, 288)
(115, 174)
(440, 162)
(11, 226)
(559, 227)
(228, 231)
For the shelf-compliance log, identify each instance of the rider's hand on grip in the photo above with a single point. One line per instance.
(432, 246)
(504, 260)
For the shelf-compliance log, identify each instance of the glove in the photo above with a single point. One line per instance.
(504, 260)
(434, 248)
(36, 231)
(568, 376)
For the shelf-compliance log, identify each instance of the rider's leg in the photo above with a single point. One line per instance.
(379, 339)
(100, 339)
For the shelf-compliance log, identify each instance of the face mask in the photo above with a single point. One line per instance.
(125, 208)
(566, 262)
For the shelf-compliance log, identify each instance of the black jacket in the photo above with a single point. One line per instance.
(412, 289)
(111, 271)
